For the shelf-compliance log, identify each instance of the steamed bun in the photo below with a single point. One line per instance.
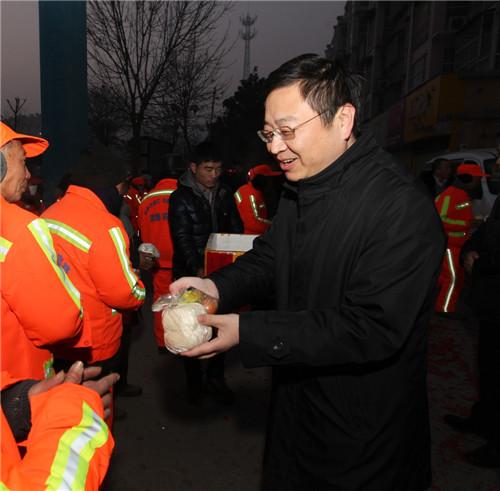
(181, 329)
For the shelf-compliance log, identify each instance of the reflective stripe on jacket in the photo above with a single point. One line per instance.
(40, 305)
(68, 447)
(252, 209)
(93, 249)
(153, 220)
(455, 209)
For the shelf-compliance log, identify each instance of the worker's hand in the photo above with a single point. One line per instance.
(147, 261)
(228, 335)
(469, 260)
(203, 284)
(79, 375)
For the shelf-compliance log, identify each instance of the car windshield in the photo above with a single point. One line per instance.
(494, 179)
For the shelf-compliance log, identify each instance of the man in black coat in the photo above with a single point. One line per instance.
(201, 205)
(352, 257)
(480, 256)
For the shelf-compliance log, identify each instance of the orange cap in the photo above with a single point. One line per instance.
(33, 145)
(263, 170)
(471, 169)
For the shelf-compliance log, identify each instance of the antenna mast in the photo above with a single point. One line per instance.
(247, 35)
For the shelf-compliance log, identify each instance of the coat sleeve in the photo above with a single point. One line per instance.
(181, 231)
(389, 291)
(69, 445)
(111, 271)
(37, 290)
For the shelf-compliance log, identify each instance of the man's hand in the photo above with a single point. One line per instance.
(228, 335)
(469, 260)
(79, 375)
(203, 284)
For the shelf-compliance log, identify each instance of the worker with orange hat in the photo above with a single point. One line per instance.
(154, 229)
(67, 445)
(454, 206)
(40, 305)
(251, 203)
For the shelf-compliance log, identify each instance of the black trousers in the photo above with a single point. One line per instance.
(487, 409)
(194, 373)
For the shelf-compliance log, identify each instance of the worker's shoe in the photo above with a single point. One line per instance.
(487, 456)
(220, 391)
(128, 390)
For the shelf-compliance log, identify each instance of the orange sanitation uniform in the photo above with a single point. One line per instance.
(68, 447)
(455, 210)
(134, 198)
(40, 305)
(93, 249)
(154, 229)
(252, 209)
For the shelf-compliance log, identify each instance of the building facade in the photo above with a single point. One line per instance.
(432, 73)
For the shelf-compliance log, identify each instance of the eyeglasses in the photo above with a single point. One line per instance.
(284, 132)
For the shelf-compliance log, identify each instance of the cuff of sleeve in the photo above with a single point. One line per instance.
(17, 410)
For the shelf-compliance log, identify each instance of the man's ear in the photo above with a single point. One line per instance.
(193, 167)
(346, 115)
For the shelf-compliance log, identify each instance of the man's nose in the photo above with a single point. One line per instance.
(276, 146)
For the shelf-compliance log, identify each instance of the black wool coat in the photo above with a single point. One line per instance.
(353, 257)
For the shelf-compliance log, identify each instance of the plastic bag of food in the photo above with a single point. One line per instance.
(181, 329)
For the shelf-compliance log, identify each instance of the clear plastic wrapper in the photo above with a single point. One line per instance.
(149, 249)
(180, 312)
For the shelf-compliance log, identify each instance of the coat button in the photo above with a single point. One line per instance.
(278, 346)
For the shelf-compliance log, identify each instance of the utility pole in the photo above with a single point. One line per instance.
(247, 35)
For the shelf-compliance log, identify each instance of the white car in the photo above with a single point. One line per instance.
(485, 158)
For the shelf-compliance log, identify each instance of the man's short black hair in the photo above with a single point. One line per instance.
(205, 152)
(325, 84)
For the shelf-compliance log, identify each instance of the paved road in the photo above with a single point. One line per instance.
(165, 444)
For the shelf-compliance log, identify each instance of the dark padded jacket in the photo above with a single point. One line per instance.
(353, 256)
(192, 220)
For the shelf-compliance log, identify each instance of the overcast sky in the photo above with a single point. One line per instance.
(284, 29)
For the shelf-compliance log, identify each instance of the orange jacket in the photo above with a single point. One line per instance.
(153, 220)
(68, 447)
(252, 209)
(455, 209)
(40, 306)
(93, 249)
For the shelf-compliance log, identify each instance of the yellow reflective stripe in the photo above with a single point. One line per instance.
(41, 232)
(255, 210)
(75, 450)
(447, 299)
(465, 204)
(452, 221)
(445, 206)
(3, 487)
(48, 368)
(237, 195)
(70, 234)
(157, 193)
(5, 245)
(457, 234)
(133, 281)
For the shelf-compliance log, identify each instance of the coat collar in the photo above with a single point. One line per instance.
(333, 176)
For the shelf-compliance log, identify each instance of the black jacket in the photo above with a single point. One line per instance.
(353, 256)
(192, 220)
(485, 281)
